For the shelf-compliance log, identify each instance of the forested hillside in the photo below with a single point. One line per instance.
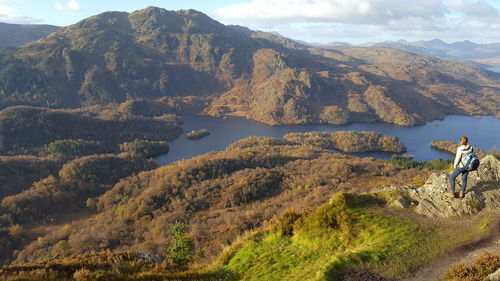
(28, 130)
(217, 194)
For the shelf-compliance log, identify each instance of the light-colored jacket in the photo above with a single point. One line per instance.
(459, 157)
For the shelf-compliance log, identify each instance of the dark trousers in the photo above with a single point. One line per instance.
(454, 175)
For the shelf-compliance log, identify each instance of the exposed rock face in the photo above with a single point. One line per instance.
(483, 193)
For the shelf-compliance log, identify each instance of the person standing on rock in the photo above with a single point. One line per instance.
(458, 167)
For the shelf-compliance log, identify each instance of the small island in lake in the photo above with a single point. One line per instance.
(197, 134)
(348, 141)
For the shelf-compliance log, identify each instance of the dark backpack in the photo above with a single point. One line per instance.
(471, 161)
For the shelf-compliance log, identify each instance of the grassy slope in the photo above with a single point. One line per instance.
(364, 235)
(352, 231)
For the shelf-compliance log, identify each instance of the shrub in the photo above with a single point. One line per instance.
(476, 271)
(284, 224)
(181, 250)
(329, 217)
(63, 247)
(408, 163)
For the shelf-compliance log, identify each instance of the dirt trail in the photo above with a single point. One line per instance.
(462, 254)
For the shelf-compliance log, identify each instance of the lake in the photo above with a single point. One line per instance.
(483, 132)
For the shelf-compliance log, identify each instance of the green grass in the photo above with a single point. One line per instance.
(406, 163)
(350, 231)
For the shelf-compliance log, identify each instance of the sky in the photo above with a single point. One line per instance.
(314, 21)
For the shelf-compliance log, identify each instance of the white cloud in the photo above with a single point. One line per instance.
(475, 10)
(369, 20)
(9, 15)
(71, 5)
(272, 12)
(410, 30)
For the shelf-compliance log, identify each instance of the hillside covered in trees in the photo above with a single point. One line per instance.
(258, 194)
(60, 161)
(25, 130)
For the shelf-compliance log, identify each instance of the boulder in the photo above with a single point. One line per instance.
(483, 193)
(401, 202)
(488, 171)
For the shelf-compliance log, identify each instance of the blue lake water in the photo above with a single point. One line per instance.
(496, 69)
(483, 132)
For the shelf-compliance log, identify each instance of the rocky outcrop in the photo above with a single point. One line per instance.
(483, 193)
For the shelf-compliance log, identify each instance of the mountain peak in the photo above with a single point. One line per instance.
(150, 9)
(192, 12)
(181, 21)
(437, 41)
(154, 53)
(101, 19)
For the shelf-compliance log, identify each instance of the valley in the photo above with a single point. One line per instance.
(166, 145)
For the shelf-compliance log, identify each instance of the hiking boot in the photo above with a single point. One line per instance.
(461, 194)
(450, 194)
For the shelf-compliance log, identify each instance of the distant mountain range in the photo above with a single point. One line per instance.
(20, 34)
(484, 55)
(155, 53)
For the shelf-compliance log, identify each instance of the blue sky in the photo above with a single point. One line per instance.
(354, 21)
(62, 13)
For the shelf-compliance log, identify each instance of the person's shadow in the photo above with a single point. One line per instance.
(484, 186)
